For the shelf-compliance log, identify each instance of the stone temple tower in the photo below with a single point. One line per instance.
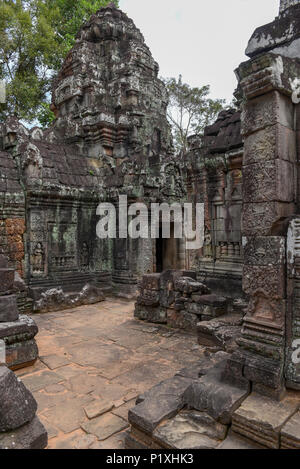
(285, 4)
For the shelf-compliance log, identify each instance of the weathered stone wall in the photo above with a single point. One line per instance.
(12, 212)
(214, 177)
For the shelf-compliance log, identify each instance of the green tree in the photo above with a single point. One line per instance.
(35, 37)
(190, 110)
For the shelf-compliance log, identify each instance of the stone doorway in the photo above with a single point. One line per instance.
(168, 252)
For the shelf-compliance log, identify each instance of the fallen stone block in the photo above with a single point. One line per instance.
(174, 387)
(189, 285)
(161, 402)
(219, 399)
(151, 412)
(56, 299)
(210, 306)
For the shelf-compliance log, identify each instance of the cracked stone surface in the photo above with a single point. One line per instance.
(95, 361)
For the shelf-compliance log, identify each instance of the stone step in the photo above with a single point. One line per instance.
(261, 419)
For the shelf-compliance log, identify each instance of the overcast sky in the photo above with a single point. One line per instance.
(204, 40)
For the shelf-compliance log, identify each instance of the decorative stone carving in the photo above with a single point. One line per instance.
(38, 259)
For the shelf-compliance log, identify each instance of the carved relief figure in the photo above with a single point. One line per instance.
(38, 258)
(85, 257)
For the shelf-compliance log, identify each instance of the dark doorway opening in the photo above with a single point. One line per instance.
(167, 251)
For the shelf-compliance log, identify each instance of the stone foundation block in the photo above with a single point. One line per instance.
(18, 406)
(156, 315)
(262, 419)
(7, 277)
(290, 433)
(182, 320)
(30, 436)
(8, 308)
(151, 282)
(148, 298)
(208, 306)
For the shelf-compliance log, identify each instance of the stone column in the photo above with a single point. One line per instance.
(269, 184)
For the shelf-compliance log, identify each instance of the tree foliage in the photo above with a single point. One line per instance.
(190, 110)
(35, 36)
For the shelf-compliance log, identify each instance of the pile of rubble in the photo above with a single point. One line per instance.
(177, 299)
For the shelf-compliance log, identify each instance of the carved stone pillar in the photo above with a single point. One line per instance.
(270, 194)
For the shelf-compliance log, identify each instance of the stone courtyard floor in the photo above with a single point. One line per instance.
(94, 361)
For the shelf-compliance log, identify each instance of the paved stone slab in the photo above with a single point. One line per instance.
(55, 361)
(41, 380)
(76, 440)
(100, 369)
(105, 426)
(97, 408)
(67, 416)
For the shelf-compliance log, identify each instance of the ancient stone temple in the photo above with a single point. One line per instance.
(252, 392)
(111, 143)
(111, 137)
